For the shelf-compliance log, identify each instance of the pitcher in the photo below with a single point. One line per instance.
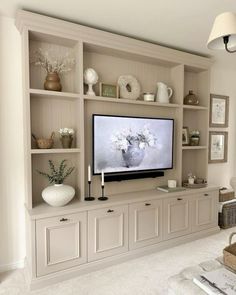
(164, 93)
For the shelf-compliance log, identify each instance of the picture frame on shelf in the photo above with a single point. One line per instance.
(219, 111)
(185, 136)
(108, 90)
(218, 147)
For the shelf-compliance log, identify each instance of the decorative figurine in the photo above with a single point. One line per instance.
(90, 78)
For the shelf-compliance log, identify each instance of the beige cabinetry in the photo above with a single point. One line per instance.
(176, 217)
(145, 223)
(107, 232)
(204, 211)
(60, 242)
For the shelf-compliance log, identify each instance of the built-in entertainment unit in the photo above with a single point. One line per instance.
(126, 147)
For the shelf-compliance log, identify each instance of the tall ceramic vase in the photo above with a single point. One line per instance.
(58, 195)
(52, 82)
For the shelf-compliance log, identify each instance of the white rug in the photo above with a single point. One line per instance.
(143, 276)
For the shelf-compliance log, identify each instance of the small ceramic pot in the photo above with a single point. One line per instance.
(52, 82)
(149, 96)
(58, 195)
(194, 141)
(191, 99)
(66, 141)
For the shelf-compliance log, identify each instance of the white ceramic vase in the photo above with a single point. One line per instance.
(58, 195)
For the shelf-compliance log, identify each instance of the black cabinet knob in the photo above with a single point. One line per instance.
(179, 199)
(147, 204)
(63, 219)
(110, 211)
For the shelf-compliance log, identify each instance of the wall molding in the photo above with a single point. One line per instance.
(11, 266)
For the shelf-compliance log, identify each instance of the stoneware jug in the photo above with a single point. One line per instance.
(164, 93)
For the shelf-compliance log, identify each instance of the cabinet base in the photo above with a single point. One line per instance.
(40, 282)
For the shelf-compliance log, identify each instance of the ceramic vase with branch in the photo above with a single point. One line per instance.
(53, 66)
(58, 194)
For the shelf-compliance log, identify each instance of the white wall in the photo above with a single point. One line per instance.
(223, 81)
(12, 246)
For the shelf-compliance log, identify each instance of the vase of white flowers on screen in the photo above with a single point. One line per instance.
(66, 137)
(133, 145)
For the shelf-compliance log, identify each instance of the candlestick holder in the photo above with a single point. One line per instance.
(89, 198)
(103, 198)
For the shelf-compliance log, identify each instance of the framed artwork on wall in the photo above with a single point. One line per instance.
(185, 136)
(218, 147)
(219, 110)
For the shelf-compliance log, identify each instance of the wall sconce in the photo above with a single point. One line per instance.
(223, 33)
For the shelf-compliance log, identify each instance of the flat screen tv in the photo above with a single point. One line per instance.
(124, 144)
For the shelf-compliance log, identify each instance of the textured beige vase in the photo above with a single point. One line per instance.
(52, 82)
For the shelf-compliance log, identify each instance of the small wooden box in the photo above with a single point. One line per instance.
(226, 195)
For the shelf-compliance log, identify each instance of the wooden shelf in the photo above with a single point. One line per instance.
(197, 147)
(55, 151)
(46, 94)
(129, 101)
(191, 107)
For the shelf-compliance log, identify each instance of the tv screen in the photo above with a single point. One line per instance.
(130, 144)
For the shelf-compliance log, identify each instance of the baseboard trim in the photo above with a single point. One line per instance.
(11, 266)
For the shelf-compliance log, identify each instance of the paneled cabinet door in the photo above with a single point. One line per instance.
(61, 242)
(176, 217)
(145, 223)
(204, 210)
(107, 232)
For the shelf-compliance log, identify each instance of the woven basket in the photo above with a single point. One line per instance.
(44, 143)
(226, 195)
(230, 253)
(227, 218)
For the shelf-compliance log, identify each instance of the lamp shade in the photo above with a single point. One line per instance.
(224, 25)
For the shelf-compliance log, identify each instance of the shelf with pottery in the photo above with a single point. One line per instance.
(42, 93)
(129, 101)
(44, 49)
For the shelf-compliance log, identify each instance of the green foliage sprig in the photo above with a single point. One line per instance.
(57, 175)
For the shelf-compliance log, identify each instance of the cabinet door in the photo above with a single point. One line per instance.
(107, 232)
(204, 210)
(176, 217)
(145, 223)
(61, 242)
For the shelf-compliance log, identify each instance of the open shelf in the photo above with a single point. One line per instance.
(50, 94)
(197, 147)
(55, 151)
(129, 101)
(56, 49)
(192, 107)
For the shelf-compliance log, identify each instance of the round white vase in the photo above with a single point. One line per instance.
(58, 194)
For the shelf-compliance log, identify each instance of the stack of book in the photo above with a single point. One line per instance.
(217, 282)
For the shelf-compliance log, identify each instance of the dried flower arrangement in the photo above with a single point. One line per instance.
(52, 64)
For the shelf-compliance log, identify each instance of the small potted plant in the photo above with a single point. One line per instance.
(66, 137)
(194, 137)
(191, 178)
(58, 194)
(54, 66)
